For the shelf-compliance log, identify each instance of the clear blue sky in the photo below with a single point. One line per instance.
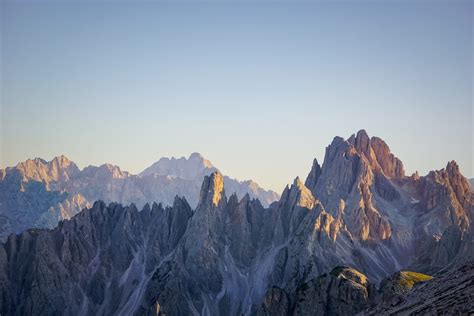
(259, 88)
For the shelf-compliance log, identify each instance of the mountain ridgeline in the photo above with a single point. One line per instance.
(233, 256)
(37, 193)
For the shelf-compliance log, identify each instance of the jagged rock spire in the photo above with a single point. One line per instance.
(302, 194)
(377, 152)
(212, 190)
(313, 175)
(361, 142)
(391, 166)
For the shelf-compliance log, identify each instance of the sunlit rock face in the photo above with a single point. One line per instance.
(37, 193)
(230, 255)
(382, 204)
(349, 173)
(398, 284)
(28, 197)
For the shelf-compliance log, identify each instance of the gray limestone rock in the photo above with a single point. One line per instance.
(228, 256)
(37, 193)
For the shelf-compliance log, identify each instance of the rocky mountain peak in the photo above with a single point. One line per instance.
(62, 161)
(115, 171)
(180, 203)
(212, 190)
(337, 177)
(354, 170)
(377, 152)
(301, 194)
(453, 169)
(448, 182)
(337, 145)
(223, 256)
(38, 193)
(105, 171)
(196, 166)
(58, 169)
(313, 175)
(459, 184)
(391, 166)
(199, 158)
(361, 142)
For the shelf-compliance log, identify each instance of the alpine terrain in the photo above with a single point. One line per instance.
(37, 193)
(357, 235)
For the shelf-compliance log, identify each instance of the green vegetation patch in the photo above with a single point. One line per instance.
(405, 280)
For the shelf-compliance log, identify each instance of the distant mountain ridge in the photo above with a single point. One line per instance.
(195, 167)
(358, 212)
(38, 193)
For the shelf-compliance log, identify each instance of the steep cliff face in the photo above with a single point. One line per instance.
(27, 203)
(118, 260)
(59, 169)
(446, 197)
(444, 233)
(382, 206)
(228, 255)
(219, 259)
(349, 174)
(311, 240)
(97, 263)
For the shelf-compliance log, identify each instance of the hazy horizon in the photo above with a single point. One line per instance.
(277, 190)
(258, 88)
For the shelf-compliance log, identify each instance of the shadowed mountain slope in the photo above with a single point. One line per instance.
(227, 255)
(37, 193)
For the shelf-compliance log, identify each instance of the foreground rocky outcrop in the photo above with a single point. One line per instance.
(38, 193)
(346, 291)
(450, 292)
(228, 255)
(343, 291)
(399, 284)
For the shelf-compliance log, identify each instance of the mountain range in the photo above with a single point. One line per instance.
(38, 193)
(355, 233)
